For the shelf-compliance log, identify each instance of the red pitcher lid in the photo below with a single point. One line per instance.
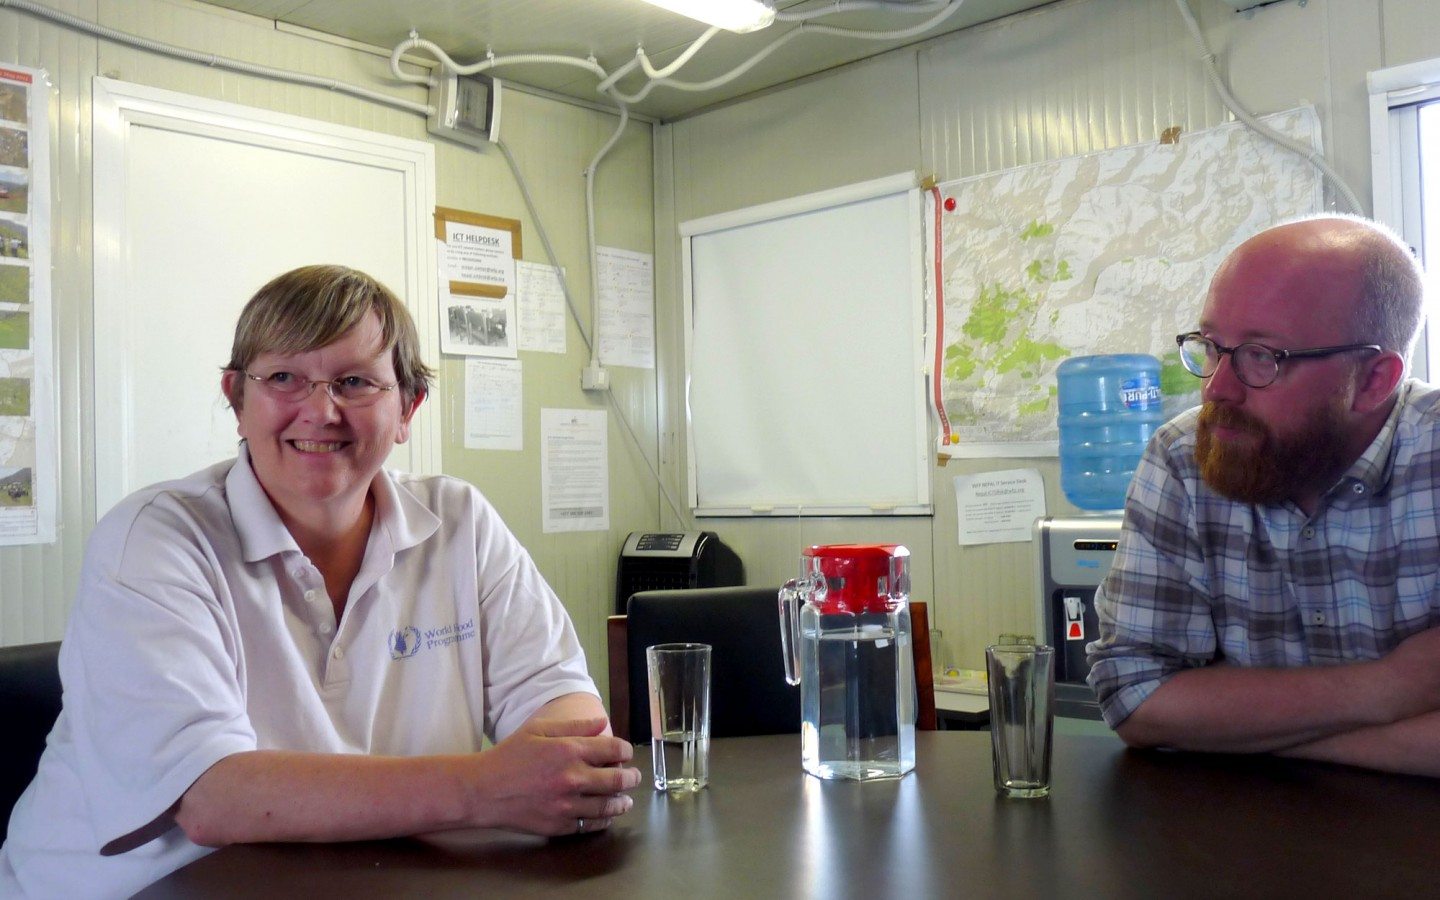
(858, 577)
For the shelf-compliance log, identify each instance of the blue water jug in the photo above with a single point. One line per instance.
(1109, 407)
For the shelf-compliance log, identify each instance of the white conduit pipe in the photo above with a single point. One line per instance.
(734, 73)
(489, 62)
(209, 59)
(653, 73)
(605, 85)
(855, 5)
(897, 34)
(682, 60)
(399, 50)
(590, 230)
(1310, 153)
(803, 28)
(544, 239)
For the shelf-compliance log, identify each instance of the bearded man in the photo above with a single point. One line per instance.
(1277, 582)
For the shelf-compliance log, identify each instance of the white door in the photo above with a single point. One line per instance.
(197, 204)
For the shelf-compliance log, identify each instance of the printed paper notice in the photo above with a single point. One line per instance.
(493, 418)
(627, 307)
(482, 260)
(574, 470)
(998, 507)
(28, 446)
(540, 305)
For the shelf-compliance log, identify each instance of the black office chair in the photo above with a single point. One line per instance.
(749, 694)
(29, 705)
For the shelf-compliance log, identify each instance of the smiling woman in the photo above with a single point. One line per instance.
(316, 453)
(302, 599)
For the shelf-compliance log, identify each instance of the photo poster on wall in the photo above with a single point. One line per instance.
(27, 370)
(475, 259)
(1110, 252)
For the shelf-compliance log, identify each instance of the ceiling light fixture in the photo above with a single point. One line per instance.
(732, 15)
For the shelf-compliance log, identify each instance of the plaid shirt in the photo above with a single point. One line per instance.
(1199, 579)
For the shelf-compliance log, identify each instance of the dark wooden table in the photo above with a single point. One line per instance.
(1118, 823)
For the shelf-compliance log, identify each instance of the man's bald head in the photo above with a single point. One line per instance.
(1359, 265)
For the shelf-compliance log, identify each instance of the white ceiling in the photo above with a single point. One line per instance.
(611, 30)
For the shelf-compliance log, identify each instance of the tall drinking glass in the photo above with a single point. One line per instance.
(1022, 717)
(679, 715)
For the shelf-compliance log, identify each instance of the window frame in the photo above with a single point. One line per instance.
(1396, 96)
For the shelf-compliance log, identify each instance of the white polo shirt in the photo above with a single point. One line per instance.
(200, 630)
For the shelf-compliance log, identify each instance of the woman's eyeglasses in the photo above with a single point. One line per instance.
(347, 390)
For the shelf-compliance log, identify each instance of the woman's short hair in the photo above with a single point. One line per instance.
(312, 306)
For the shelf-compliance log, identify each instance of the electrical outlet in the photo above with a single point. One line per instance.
(594, 378)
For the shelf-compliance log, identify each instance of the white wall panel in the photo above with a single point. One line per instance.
(34, 579)
(1410, 31)
(1065, 80)
(854, 125)
(1073, 77)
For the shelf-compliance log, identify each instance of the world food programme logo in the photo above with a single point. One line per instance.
(404, 642)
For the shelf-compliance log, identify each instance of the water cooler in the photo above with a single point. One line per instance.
(1072, 557)
(664, 561)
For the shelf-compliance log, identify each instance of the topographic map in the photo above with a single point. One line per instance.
(1105, 253)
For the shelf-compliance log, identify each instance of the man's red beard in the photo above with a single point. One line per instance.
(1263, 467)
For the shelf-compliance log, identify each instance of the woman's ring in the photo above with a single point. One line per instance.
(579, 826)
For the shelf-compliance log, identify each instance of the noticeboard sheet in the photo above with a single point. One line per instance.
(27, 367)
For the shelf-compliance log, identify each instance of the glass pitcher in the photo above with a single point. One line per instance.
(845, 631)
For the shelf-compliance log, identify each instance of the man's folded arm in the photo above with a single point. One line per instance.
(1410, 746)
(1235, 709)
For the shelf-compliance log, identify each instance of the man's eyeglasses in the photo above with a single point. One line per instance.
(1256, 365)
(348, 390)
